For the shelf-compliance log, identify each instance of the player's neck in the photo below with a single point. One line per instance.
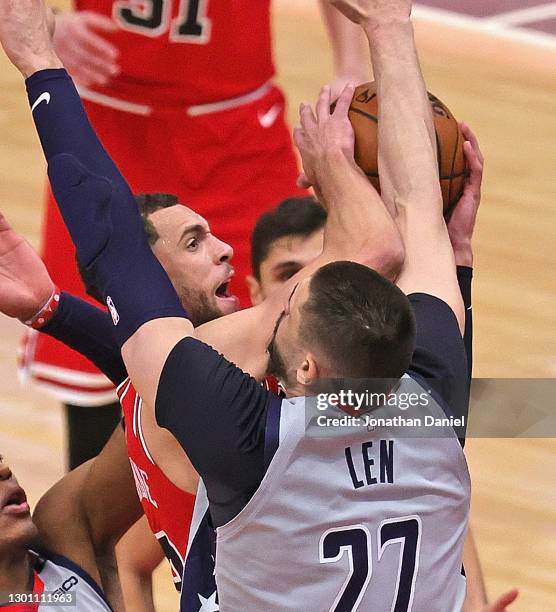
(16, 575)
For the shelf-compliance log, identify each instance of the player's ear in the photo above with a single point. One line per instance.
(308, 371)
(255, 291)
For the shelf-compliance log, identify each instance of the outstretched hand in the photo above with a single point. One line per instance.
(323, 134)
(25, 34)
(25, 285)
(80, 42)
(462, 220)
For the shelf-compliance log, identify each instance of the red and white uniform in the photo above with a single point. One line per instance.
(168, 508)
(194, 112)
(55, 576)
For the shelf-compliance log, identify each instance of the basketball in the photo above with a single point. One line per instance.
(363, 114)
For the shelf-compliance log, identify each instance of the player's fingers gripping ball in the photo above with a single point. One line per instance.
(363, 114)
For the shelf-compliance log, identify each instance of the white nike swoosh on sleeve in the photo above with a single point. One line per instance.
(44, 97)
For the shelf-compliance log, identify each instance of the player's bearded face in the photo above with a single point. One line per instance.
(285, 353)
(196, 262)
(276, 366)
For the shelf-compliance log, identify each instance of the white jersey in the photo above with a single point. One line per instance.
(57, 579)
(351, 518)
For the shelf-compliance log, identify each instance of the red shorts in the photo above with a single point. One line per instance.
(230, 165)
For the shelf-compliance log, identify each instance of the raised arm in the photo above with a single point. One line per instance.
(95, 201)
(460, 230)
(358, 228)
(349, 50)
(407, 149)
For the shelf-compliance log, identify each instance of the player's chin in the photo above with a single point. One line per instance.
(227, 304)
(17, 527)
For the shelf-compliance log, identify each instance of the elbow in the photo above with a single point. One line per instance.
(385, 256)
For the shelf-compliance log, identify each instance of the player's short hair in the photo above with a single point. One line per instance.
(362, 322)
(147, 203)
(292, 217)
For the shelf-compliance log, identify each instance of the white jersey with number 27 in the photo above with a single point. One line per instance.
(358, 518)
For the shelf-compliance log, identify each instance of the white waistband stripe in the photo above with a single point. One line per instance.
(116, 103)
(216, 107)
(192, 111)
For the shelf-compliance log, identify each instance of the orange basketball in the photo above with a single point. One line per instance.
(363, 114)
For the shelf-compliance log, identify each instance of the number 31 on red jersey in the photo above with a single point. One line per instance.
(153, 18)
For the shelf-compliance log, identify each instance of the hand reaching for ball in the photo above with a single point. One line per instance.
(462, 220)
(323, 134)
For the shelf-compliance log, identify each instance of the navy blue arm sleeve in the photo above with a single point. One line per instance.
(465, 276)
(439, 356)
(218, 415)
(88, 330)
(98, 208)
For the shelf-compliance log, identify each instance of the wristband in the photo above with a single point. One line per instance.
(46, 312)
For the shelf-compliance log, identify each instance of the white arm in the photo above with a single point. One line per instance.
(408, 166)
(349, 49)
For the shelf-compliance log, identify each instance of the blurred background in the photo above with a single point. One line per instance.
(494, 64)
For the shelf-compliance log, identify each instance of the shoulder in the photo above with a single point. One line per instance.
(439, 348)
(439, 360)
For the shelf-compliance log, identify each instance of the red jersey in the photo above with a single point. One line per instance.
(187, 52)
(192, 113)
(168, 508)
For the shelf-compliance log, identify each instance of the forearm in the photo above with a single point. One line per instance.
(347, 44)
(104, 223)
(408, 166)
(358, 227)
(137, 591)
(463, 252)
(88, 330)
(109, 472)
(407, 143)
(476, 595)
(139, 554)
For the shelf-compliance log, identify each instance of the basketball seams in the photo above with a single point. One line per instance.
(362, 112)
(451, 169)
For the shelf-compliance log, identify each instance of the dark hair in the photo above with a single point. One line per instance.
(294, 216)
(148, 203)
(361, 321)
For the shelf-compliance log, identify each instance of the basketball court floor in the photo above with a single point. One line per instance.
(494, 64)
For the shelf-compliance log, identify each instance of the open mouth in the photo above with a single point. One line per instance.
(16, 503)
(223, 290)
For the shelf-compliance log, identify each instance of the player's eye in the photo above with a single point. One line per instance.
(285, 276)
(192, 244)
